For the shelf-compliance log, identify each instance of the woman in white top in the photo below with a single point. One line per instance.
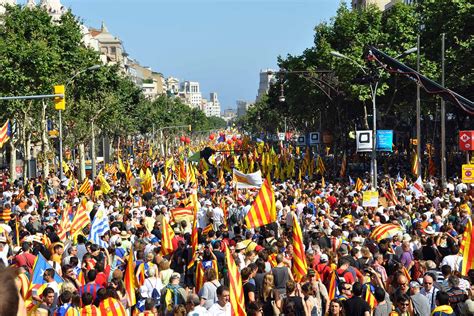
(151, 282)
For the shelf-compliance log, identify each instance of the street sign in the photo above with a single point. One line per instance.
(301, 140)
(466, 140)
(384, 140)
(364, 141)
(314, 138)
(281, 136)
(468, 173)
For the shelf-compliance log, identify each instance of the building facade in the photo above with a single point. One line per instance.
(212, 107)
(267, 77)
(242, 107)
(381, 4)
(190, 93)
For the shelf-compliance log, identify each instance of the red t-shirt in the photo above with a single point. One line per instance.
(102, 277)
(347, 275)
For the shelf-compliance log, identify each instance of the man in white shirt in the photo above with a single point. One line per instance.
(222, 307)
(429, 290)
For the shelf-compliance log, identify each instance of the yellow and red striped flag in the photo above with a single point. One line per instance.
(321, 168)
(300, 268)
(128, 173)
(81, 219)
(65, 224)
(414, 164)
(81, 278)
(467, 249)
(112, 307)
(5, 132)
(130, 280)
(332, 286)
(167, 237)
(391, 193)
(86, 187)
(263, 210)
(237, 302)
(359, 185)
(369, 296)
(194, 243)
(406, 274)
(207, 229)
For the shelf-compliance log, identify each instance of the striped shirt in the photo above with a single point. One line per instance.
(91, 288)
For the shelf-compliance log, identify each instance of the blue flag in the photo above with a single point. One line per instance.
(40, 266)
(99, 227)
(351, 182)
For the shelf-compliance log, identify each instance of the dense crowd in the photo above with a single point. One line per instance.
(413, 270)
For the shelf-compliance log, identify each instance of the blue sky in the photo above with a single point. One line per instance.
(223, 44)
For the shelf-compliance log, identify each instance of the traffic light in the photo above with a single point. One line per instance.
(60, 102)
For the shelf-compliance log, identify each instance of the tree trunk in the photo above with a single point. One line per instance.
(44, 141)
(26, 156)
(82, 161)
(12, 160)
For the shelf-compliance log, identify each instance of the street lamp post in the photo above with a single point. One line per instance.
(68, 82)
(373, 94)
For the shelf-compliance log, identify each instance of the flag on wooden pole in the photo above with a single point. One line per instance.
(300, 268)
(130, 280)
(237, 302)
(167, 237)
(263, 210)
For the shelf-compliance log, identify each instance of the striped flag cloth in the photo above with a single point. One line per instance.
(128, 173)
(321, 168)
(130, 280)
(237, 302)
(369, 296)
(182, 213)
(113, 307)
(65, 224)
(5, 133)
(414, 164)
(332, 288)
(167, 237)
(385, 231)
(86, 187)
(467, 249)
(194, 242)
(81, 219)
(417, 187)
(207, 229)
(99, 227)
(263, 210)
(300, 268)
(391, 193)
(359, 185)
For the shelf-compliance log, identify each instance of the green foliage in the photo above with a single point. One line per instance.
(350, 32)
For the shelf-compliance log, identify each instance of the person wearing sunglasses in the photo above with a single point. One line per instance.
(403, 306)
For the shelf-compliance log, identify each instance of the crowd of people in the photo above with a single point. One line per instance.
(416, 270)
